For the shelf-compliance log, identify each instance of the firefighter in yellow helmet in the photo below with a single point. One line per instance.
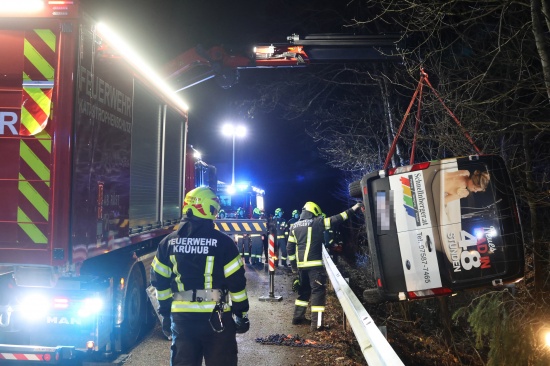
(196, 271)
(305, 250)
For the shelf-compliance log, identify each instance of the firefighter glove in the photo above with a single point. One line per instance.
(167, 327)
(296, 285)
(357, 206)
(242, 325)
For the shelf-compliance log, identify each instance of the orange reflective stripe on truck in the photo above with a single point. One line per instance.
(36, 143)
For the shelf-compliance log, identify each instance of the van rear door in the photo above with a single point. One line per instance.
(481, 238)
(416, 227)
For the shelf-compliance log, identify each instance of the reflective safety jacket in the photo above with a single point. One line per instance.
(305, 241)
(291, 222)
(281, 227)
(197, 257)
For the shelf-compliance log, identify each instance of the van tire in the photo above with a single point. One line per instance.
(355, 190)
(372, 296)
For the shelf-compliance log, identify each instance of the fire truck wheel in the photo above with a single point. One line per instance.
(355, 189)
(134, 310)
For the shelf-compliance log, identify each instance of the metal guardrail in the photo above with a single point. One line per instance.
(375, 347)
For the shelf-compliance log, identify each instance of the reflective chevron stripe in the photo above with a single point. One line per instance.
(38, 80)
(35, 146)
(241, 226)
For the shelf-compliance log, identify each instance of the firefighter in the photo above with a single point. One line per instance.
(294, 218)
(244, 245)
(305, 249)
(280, 238)
(256, 213)
(256, 248)
(200, 281)
(240, 213)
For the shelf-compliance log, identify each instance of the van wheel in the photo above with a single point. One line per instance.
(355, 189)
(134, 310)
(372, 296)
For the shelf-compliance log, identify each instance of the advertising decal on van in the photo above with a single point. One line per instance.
(467, 210)
(414, 225)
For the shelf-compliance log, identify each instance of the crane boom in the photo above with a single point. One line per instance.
(199, 64)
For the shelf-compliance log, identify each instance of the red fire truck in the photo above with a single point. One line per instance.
(92, 174)
(91, 179)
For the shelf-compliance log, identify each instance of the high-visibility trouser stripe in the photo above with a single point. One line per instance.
(301, 303)
(308, 264)
(30, 228)
(317, 309)
(195, 307)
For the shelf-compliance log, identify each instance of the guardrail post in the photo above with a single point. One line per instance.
(271, 250)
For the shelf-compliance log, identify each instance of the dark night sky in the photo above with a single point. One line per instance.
(276, 154)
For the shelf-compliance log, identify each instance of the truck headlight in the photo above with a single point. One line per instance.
(90, 306)
(34, 306)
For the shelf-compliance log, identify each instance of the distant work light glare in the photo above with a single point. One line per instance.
(21, 6)
(233, 131)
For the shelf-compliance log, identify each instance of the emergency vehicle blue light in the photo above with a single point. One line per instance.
(242, 186)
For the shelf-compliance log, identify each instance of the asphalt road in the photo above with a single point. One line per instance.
(267, 317)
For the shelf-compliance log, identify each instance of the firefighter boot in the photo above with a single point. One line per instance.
(317, 322)
(299, 316)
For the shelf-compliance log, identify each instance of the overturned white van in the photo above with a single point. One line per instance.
(438, 227)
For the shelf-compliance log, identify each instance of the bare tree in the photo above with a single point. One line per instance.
(488, 60)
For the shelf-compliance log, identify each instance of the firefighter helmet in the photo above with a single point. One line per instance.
(295, 214)
(202, 202)
(313, 208)
(279, 212)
